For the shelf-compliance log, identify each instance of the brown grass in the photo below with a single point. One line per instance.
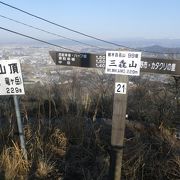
(44, 167)
(63, 141)
(58, 142)
(13, 163)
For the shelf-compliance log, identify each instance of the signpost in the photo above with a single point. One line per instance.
(121, 63)
(115, 62)
(118, 126)
(11, 83)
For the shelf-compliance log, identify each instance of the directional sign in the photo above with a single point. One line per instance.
(123, 62)
(147, 64)
(78, 59)
(11, 82)
(160, 66)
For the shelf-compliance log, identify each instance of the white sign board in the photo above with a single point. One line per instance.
(11, 82)
(123, 62)
(120, 88)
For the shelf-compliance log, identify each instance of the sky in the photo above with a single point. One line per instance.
(106, 19)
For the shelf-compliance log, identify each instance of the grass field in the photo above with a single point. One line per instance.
(67, 131)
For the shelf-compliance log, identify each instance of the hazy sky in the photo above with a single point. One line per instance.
(107, 19)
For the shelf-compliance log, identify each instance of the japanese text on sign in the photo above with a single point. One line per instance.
(123, 62)
(67, 58)
(11, 81)
(158, 66)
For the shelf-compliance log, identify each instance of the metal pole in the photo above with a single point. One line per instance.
(118, 128)
(20, 129)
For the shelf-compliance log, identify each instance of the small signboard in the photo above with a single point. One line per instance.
(11, 82)
(123, 62)
(120, 88)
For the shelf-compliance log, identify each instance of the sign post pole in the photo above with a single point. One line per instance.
(177, 84)
(121, 63)
(12, 84)
(118, 128)
(19, 124)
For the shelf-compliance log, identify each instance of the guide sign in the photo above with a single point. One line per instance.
(78, 59)
(123, 62)
(11, 82)
(160, 66)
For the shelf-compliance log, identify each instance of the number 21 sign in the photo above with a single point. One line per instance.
(120, 88)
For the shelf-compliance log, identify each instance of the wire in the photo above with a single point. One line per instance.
(54, 34)
(36, 39)
(81, 33)
(78, 32)
(64, 27)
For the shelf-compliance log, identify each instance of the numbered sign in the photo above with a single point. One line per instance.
(120, 88)
(11, 82)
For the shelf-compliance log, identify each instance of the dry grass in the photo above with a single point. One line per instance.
(173, 168)
(44, 167)
(77, 148)
(63, 141)
(58, 142)
(13, 163)
(151, 154)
